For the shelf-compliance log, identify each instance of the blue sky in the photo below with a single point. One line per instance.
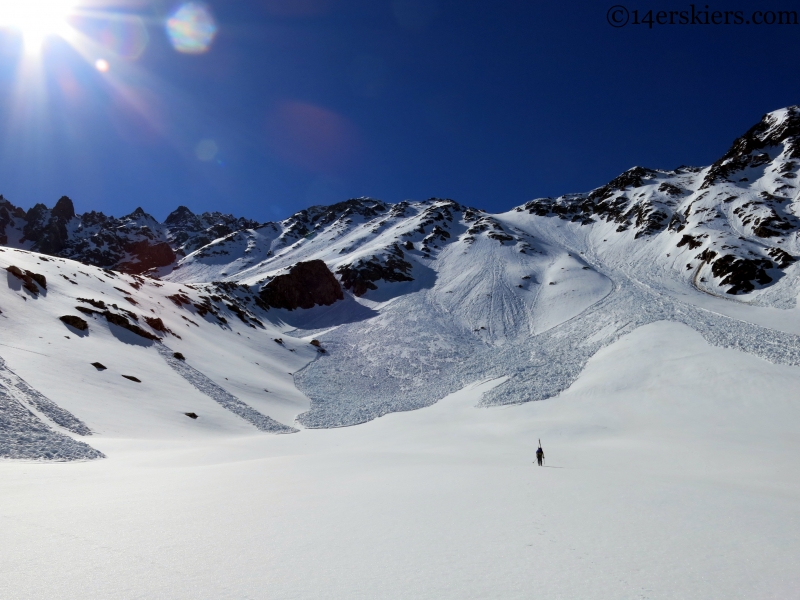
(301, 102)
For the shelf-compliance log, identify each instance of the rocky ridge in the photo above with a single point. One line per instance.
(739, 216)
(733, 225)
(135, 243)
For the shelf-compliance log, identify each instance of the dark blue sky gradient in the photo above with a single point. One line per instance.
(315, 101)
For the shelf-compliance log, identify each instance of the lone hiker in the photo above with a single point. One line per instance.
(540, 454)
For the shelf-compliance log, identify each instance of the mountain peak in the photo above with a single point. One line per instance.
(775, 128)
(180, 216)
(779, 129)
(139, 214)
(64, 209)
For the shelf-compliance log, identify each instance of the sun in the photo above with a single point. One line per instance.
(36, 19)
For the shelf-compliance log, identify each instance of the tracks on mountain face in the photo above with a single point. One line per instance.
(409, 357)
(696, 286)
(221, 396)
(565, 350)
(24, 434)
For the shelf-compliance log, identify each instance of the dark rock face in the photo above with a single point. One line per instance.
(611, 203)
(632, 178)
(706, 255)
(782, 258)
(8, 214)
(29, 279)
(132, 378)
(75, 322)
(690, 241)
(183, 218)
(301, 223)
(47, 229)
(146, 256)
(740, 273)
(123, 322)
(306, 285)
(362, 275)
(96, 303)
(156, 324)
(38, 278)
(187, 232)
(99, 366)
(64, 210)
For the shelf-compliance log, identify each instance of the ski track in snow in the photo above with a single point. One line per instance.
(221, 396)
(23, 435)
(408, 358)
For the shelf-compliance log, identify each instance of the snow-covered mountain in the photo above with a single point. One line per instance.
(657, 312)
(135, 243)
(731, 226)
(404, 303)
(727, 228)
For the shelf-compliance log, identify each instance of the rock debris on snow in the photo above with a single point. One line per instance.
(221, 396)
(23, 435)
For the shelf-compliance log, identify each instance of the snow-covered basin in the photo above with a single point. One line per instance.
(672, 472)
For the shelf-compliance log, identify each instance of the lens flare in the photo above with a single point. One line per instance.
(36, 19)
(102, 65)
(124, 35)
(192, 28)
(313, 138)
(206, 150)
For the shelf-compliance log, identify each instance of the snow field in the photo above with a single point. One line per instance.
(656, 487)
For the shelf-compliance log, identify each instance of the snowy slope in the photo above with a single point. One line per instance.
(435, 295)
(653, 320)
(664, 480)
(234, 376)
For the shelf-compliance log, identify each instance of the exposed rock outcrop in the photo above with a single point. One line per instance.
(146, 255)
(306, 285)
(741, 273)
(29, 279)
(75, 322)
(362, 274)
(123, 322)
(47, 229)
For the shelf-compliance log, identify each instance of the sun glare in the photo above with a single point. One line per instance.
(36, 19)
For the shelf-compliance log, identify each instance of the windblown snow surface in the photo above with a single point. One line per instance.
(671, 473)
